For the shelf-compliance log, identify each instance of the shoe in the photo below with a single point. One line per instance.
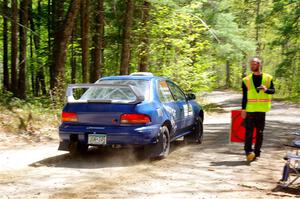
(250, 157)
(257, 154)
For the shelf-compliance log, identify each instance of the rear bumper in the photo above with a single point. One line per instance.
(123, 135)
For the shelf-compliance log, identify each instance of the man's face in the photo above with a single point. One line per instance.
(254, 65)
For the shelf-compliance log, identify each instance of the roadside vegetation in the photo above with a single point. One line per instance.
(31, 119)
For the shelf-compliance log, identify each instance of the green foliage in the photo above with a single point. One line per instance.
(37, 104)
(178, 44)
(287, 28)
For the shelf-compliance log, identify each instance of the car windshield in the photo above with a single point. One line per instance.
(117, 93)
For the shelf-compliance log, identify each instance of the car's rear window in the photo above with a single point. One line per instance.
(117, 93)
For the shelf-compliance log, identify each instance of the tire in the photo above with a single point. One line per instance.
(197, 133)
(161, 149)
(76, 148)
(164, 138)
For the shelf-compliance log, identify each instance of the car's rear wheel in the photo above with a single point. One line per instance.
(197, 133)
(77, 148)
(165, 139)
(161, 149)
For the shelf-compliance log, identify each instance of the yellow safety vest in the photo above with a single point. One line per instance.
(261, 101)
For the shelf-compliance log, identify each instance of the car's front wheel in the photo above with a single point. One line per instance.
(197, 133)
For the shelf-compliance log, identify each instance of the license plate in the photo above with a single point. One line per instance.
(97, 139)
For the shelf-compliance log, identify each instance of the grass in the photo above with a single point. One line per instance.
(208, 106)
(36, 116)
(293, 99)
(211, 107)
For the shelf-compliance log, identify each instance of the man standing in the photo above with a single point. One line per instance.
(258, 88)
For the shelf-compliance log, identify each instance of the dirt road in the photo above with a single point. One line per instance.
(215, 169)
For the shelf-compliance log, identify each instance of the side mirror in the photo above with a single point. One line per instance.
(190, 96)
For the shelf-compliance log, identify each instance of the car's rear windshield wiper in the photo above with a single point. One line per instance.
(99, 101)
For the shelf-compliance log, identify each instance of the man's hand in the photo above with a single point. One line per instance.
(262, 87)
(243, 114)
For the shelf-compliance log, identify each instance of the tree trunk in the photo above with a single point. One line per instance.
(118, 48)
(85, 39)
(14, 46)
(5, 48)
(98, 42)
(23, 42)
(56, 11)
(125, 55)
(50, 35)
(228, 74)
(61, 39)
(73, 60)
(40, 76)
(32, 67)
(143, 63)
(36, 37)
(34, 40)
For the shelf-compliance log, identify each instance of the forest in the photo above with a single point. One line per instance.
(200, 44)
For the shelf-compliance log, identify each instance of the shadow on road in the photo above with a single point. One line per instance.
(101, 158)
(295, 190)
(94, 158)
(229, 163)
(229, 152)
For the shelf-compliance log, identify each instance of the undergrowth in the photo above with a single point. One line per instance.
(37, 115)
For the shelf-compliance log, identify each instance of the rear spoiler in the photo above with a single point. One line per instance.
(71, 99)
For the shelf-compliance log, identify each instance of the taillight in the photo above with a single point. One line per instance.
(135, 119)
(69, 117)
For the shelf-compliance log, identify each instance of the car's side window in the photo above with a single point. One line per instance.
(176, 91)
(164, 92)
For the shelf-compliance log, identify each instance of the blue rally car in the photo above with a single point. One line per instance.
(138, 110)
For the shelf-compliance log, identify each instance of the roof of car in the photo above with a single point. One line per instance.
(128, 77)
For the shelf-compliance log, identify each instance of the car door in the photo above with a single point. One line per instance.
(169, 106)
(182, 106)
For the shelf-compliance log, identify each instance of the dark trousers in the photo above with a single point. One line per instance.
(254, 120)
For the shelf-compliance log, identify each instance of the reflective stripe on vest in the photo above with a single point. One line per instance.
(258, 102)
